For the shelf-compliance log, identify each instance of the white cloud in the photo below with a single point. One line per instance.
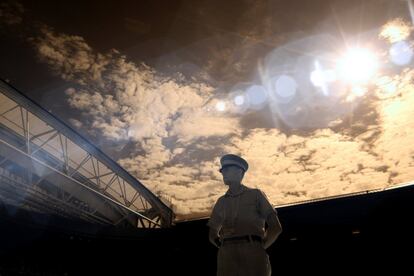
(129, 102)
(395, 143)
(179, 139)
(299, 168)
(76, 123)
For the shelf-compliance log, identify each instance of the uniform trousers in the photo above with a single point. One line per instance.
(243, 258)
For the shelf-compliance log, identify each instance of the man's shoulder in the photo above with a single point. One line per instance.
(220, 199)
(257, 193)
(252, 190)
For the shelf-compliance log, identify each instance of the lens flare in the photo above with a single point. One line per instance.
(357, 66)
(257, 95)
(401, 53)
(285, 86)
(322, 78)
(239, 100)
(221, 106)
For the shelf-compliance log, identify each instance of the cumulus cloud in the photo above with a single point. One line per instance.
(129, 102)
(76, 123)
(178, 137)
(394, 145)
(395, 30)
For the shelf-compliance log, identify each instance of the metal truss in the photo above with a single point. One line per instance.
(47, 167)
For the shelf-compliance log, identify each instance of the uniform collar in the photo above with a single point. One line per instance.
(242, 189)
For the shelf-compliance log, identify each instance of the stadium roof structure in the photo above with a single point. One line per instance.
(47, 167)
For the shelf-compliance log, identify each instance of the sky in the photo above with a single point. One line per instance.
(153, 84)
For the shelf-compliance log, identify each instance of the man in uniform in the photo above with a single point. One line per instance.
(237, 224)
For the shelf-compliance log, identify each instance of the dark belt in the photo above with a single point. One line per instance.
(246, 238)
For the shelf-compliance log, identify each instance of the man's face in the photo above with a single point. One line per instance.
(232, 174)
